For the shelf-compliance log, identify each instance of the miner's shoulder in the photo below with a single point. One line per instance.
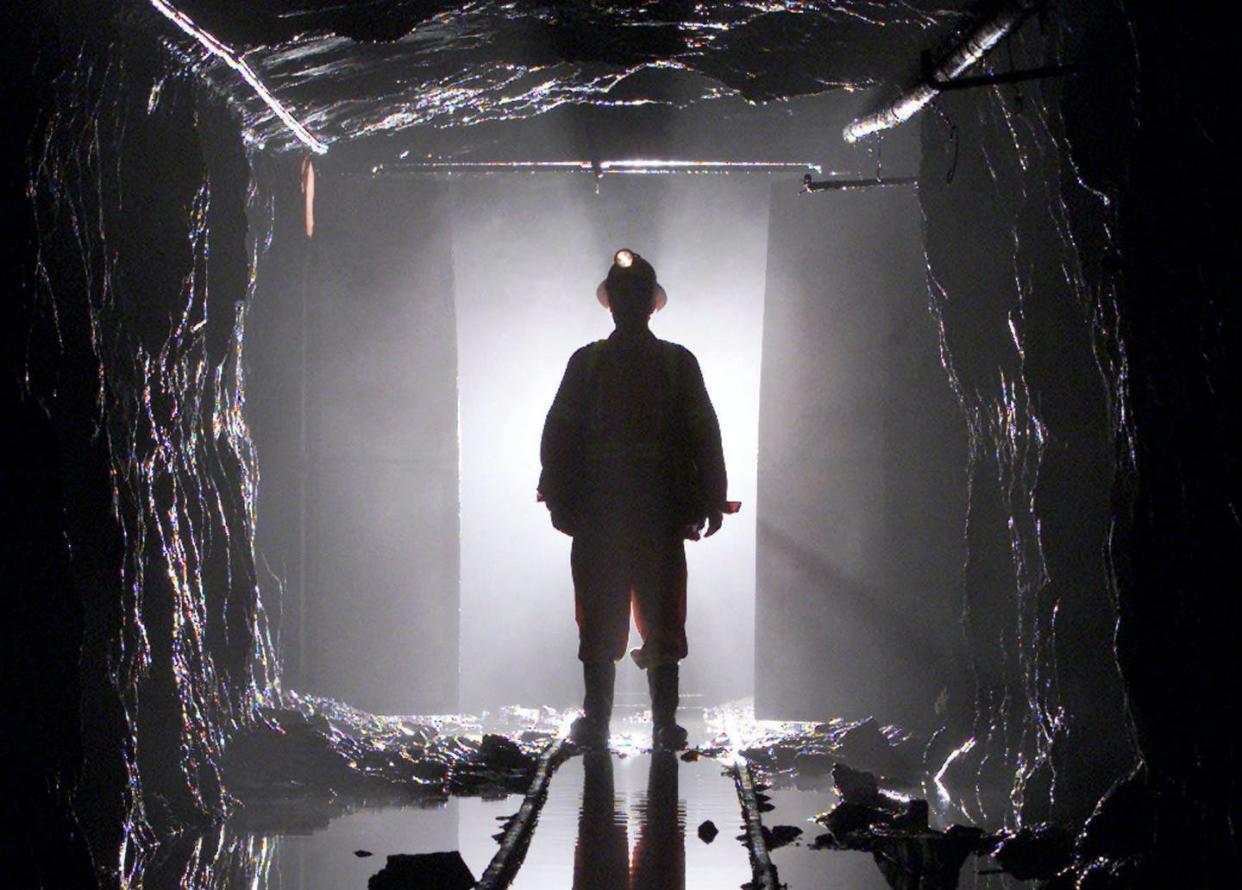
(682, 352)
(584, 351)
(583, 354)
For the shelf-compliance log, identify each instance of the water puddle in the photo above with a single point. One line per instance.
(632, 822)
(326, 859)
(804, 867)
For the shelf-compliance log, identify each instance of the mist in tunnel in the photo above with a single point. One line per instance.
(441, 328)
(529, 253)
(404, 358)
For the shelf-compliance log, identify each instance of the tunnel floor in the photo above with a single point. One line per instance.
(624, 818)
(631, 821)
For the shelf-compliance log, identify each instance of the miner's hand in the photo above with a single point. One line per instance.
(714, 520)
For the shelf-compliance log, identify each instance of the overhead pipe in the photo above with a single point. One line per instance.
(855, 185)
(597, 168)
(1007, 18)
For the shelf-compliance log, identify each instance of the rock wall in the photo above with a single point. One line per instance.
(1080, 267)
(1159, 146)
(1018, 315)
(136, 636)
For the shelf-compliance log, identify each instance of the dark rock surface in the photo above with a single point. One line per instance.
(423, 871)
(1038, 852)
(319, 753)
(806, 758)
(780, 835)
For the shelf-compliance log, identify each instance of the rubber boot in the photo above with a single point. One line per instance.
(662, 682)
(591, 729)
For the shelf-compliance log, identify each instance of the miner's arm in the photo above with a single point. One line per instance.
(560, 446)
(704, 429)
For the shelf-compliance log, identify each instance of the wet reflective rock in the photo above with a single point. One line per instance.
(856, 786)
(1035, 853)
(804, 756)
(968, 834)
(503, 753)
(910, 854)
(781, 835)
(866, 743)
(864, 807)
(929, 861)
(424, 871)
(1123, 823)
(913, 819)
(1102, 874)
(323, 754)
(847, 819)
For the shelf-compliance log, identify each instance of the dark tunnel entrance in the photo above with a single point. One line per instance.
(988, 438)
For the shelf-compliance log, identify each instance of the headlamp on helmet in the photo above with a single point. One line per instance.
(629, 266)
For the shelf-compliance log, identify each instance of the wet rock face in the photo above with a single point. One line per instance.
(41, 615)
(491, 50)
(1176, 537)
(1015, 302)
(912, 854)
(131, 374)
(322, 756)
(809, 759)
(1034, 853)
(1121, 347)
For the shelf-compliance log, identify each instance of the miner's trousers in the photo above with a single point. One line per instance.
(621, 566)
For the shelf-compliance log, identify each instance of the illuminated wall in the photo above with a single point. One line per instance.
(861, 482)
(356, 417)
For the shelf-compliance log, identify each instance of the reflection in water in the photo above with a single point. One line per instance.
(660, 855)
(601, 853)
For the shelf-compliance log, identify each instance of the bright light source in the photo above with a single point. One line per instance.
(624, 258)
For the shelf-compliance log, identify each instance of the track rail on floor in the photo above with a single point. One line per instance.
(517, 834)
(762, 867)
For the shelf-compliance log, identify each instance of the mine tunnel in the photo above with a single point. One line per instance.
(296, 598)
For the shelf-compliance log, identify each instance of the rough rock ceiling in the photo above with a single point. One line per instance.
(356, 69)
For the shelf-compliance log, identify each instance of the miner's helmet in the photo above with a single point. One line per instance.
(630, 284)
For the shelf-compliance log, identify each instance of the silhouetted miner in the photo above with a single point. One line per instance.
(632, 467)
